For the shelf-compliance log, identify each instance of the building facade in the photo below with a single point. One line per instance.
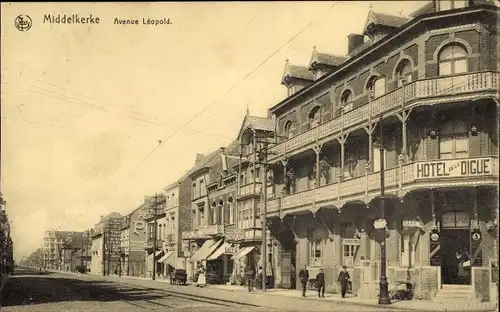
(177, 220)
(53, 242)
(155, 250)
(105, 238)
(417, 100)
(133, 238)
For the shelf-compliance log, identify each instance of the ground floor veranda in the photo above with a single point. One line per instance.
(433, 237)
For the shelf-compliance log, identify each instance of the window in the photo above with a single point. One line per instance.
(403, 72)
(227, 213)
(172, 224)
(194, 191)
(346, 100)
(195, 221)
(315, 117)
(453, 140)
(213, 211)
(289, 130)
(316, 252)
(452, 60)
(203, 190)
(452, 4)
(407, 251)
(231, 210)
(220, 212)
(377, 86)
(349, 255)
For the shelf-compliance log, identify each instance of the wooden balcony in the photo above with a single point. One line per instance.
(252, 189)
(399, 180)
(204, 231)
(440, 89)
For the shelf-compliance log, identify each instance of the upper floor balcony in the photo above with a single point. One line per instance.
(420, 92)
(399, 181)
(251, 189)
(204, 231)
(170, 239)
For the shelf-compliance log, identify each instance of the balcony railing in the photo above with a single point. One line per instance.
(420, 90)
(204, 231)
(448, 172)
(250, 189)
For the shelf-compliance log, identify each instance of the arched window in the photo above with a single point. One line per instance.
(220, 211)
(346, 100)
(452, 60)
(231, 211)
(315, 117)
(403, 72)
(376, 85)
(212, 213)
(453, 140)
(289, 130)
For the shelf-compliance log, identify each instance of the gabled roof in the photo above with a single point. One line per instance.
(384, 20)
(63, 235)
(207, 161)
(257, 124)
(297, 72)
(331, 60)
(427, 8)
(78, 243)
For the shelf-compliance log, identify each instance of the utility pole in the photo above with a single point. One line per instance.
(87, 249)
(104, 252)
(156, 205)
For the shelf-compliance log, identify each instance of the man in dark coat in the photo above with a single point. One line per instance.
(343, 280)
(320, 283)
(304, 278)
(250, 273)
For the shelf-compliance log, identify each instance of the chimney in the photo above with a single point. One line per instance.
(199, 157)
(353, 41)
(222, 150)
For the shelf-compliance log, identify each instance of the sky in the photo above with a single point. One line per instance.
(83, 106)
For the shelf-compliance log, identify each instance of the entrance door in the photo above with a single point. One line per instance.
(455, 248)
(286, 269)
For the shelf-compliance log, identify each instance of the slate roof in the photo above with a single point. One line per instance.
(78, 243)
(385, 20)
(261, 123)
(326, 59)
(64, 234)
(207, 161)
(427, 8)
(298, 72)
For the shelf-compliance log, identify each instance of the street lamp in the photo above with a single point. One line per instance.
(384, 285)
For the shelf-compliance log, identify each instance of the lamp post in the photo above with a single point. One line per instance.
(384, 285)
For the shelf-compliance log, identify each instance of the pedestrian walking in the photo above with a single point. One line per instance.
(320, 283)
(250, 274)
(343, 280)
(304, 278)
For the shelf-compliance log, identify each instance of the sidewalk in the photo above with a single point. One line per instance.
(292, 299)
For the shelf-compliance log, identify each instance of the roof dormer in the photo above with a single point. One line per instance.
(296, 77)
(379, 25)
(322, 63)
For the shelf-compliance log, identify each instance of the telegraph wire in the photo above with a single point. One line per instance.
(221, 97)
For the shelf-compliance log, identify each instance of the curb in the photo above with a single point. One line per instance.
(351, 303)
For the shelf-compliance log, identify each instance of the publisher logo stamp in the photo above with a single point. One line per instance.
(23, 22)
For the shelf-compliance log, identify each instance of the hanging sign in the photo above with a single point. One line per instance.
(139, 225)
(453, 168)
(351, 241)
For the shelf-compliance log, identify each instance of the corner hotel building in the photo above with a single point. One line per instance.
(426, 88)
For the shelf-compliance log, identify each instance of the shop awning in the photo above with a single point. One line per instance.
(219, 251)
(166, 256)
(156, 254)
(242, 252)
(205, 250)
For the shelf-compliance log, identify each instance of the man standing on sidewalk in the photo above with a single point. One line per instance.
(304, 278)
(320, 283)
(250, 273)
(343, 280)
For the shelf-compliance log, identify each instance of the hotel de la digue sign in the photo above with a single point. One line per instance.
(454, 168)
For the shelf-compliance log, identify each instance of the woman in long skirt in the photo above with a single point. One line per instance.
(202, 280)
